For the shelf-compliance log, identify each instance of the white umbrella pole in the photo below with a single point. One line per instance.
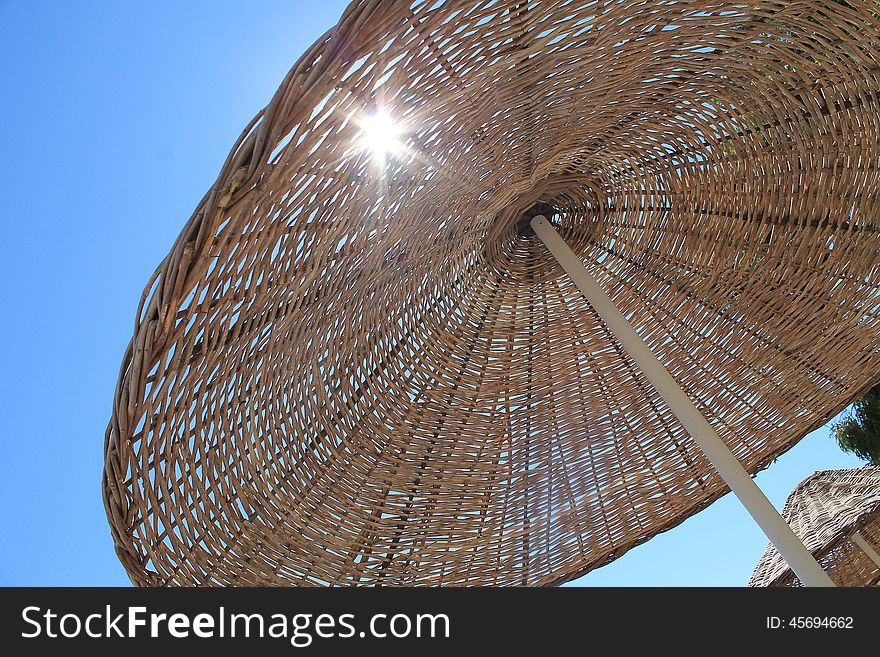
(859, 540)
(780, 534)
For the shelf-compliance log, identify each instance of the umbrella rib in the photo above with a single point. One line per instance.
(423, 465)
(527, 475)
(365, 532)
(367, 549)
(552, 435)
(443, 416)
(496, 308)
(582, 396)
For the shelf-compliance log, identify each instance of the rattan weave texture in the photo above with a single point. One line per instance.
(825, 510)
(346, 372)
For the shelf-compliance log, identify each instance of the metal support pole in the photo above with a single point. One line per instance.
(780, 534)
(859, 540)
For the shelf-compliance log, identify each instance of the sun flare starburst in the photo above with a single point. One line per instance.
(381, 135)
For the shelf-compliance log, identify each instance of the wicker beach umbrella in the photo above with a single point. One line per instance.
(837, 515)
(371, 358)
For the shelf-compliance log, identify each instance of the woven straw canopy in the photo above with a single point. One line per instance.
(825, 510)
(360, 367)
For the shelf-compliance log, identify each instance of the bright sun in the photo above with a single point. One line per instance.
(381, 135)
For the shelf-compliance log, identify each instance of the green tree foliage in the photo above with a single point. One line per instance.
(859, 433)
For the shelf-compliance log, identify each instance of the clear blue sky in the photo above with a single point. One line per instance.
(115, 119)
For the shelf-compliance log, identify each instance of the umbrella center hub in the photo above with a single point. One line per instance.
(570, 202)
(524, 223)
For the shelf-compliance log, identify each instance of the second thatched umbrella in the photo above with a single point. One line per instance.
(360, 363)
(836, 513)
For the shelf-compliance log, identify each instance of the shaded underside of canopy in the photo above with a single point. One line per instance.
(349, 371)
(825, 510)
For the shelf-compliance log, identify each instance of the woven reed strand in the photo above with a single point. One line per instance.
(349, 373)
